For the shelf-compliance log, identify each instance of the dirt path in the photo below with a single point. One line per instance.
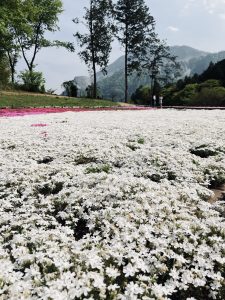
(219, 194)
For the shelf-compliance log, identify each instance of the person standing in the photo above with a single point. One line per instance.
(154, 101)
(161, 101)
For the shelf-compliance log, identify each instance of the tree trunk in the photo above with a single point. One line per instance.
(26, 60)
(12, 67)
(151, 90)
(95, 82)
(13, 76)
(126, 77)
(126, 66)
(93, 54)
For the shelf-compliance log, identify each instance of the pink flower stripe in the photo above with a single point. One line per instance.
(10, 112)
(39, 125)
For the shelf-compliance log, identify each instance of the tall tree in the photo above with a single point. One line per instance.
(12, 52)
(10, 16)
(95, 43)
(41, 16)
(71, 88)
(158, 63)
(23, 26)
(134, 24)
(4, 70)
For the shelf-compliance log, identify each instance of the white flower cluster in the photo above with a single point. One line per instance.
(112, 205)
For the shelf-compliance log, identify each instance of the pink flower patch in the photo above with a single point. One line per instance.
(9, 112)
(39, 125)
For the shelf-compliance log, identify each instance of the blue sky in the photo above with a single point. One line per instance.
(196, 23)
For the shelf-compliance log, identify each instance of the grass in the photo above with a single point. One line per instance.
(20, 100)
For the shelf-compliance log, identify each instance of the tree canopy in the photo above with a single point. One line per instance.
(23, 25)
(134, 25)
(95, 43)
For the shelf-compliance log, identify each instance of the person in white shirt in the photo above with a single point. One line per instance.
(154, 100)
(161, 101)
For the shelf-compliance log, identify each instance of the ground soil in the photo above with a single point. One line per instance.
(219, 194)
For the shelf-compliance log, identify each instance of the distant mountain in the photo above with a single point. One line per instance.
(112, 85)
(201, 64)
(214, 71)
(113, 68)
(185, 53)
(206, 89)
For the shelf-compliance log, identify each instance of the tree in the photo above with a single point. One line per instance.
(90, 92)
(134, 24)
(10, 16)
(33, 81)
(70, 88)
(23, 26)
(214, 71)
(4, 70)
(40, 16)
(158, 62)
(96, 42)
(141, 95)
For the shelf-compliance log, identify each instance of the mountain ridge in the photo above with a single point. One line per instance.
(192, 61)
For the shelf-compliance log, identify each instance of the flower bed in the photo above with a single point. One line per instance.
(112, 205)
(12, 112)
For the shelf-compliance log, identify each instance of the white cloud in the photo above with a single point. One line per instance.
(173, 29)
(211, 6)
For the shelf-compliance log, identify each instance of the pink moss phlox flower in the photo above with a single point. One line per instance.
(39, 125)
(10, 112)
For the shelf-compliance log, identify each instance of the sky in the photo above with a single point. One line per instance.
(196, 23)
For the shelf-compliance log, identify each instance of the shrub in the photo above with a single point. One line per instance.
(32, 81)
(210, 97)
(187, 94)
(211, 83)
(141, 95)
(70, 88)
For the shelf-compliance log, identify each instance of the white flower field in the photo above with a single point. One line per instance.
(112, 205)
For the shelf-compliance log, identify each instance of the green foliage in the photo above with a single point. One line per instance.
(208, 93)
(32, 81)
(187, 93)
(98, 169)
(96, 43)
(207, 89)
(210, 97)
(142, 95)
(71, 88)
(91, 93)
(141, 141)
(39, 16)
(211, 83)
(129, 14)
(11, 24)
(214, 71)
(168, 94)
(135, 26)
(159, 63)
(4, 71)
(23, 28)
